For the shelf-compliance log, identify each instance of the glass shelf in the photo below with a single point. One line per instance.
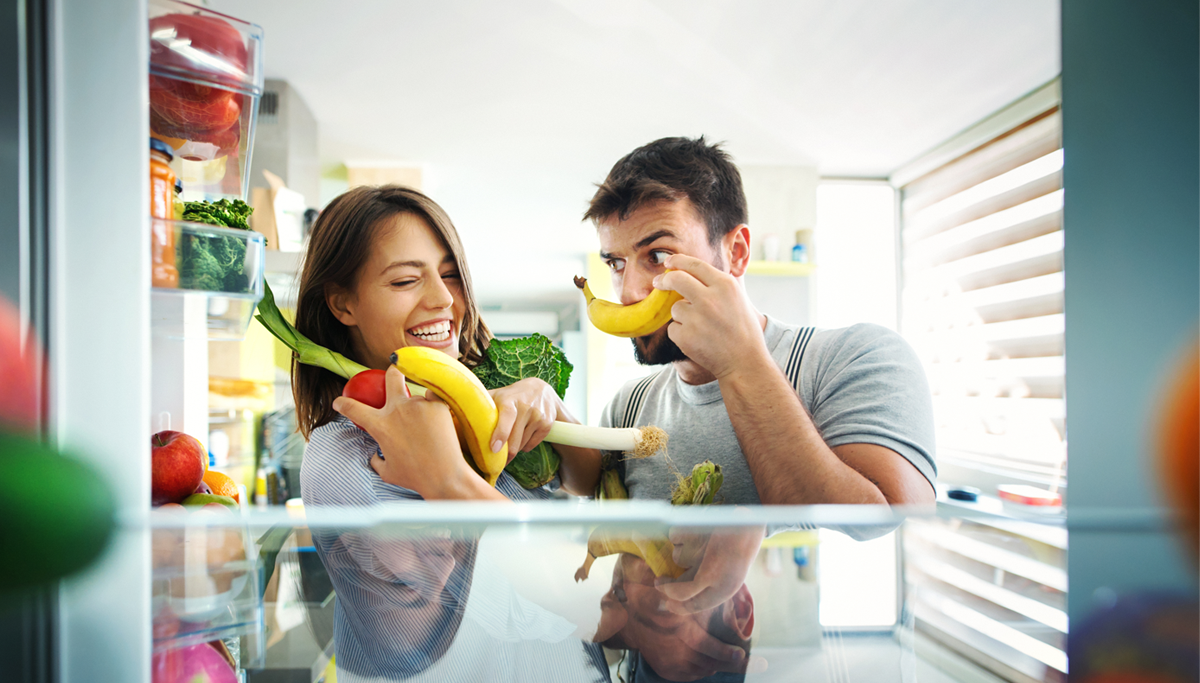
(434, 588)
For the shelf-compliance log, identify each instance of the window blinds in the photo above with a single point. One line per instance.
(982, 301)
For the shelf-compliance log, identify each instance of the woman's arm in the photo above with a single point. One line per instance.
(528, 409)
(419, 447)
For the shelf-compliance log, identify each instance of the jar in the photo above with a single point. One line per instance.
(163, 272)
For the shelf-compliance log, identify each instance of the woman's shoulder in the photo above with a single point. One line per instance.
(336, 469)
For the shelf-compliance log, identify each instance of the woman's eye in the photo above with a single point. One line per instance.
(451, 276)
(403, 283)
(659, 257)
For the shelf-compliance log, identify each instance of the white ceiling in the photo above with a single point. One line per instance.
(515, 108)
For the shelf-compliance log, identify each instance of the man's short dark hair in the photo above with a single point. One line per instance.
(671, 169)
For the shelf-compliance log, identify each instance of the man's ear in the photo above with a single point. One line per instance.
(341, 304)
(736, 245)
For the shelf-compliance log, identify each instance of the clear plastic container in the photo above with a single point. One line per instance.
(205, 82)
(220, 282)
(207, 578)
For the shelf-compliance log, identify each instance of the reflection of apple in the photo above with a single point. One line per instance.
(176, 467)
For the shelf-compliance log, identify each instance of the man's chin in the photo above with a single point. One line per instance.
(657, 349)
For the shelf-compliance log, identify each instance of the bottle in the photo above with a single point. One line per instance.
(163, 272)
(800, 252)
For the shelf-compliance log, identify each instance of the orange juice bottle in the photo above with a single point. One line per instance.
(162, 208)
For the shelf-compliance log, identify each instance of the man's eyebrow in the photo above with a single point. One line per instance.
(644, 242)
(650, 239)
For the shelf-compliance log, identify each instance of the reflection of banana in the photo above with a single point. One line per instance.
(473, 407)
(634, 320)
(655, 550)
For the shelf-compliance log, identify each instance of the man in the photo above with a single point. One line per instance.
(672, 215)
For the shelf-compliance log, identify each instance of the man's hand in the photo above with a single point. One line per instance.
(714, 324)
(718, 561)
(527, 409)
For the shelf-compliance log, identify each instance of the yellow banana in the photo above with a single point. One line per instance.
(474, 410)
(655, 550)
(634, 320)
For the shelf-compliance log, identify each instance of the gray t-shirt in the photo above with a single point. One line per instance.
(860, 384)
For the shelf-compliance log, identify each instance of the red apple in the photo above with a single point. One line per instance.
(176, 467)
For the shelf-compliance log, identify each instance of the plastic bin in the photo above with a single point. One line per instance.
(205, 83)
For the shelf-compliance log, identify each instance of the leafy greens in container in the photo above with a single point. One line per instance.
(214, 262)
(508, 361)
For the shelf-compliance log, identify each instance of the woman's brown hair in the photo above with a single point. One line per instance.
(340, 243)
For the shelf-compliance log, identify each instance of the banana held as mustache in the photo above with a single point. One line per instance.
(634, 320)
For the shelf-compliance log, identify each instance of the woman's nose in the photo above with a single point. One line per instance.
(438, 295)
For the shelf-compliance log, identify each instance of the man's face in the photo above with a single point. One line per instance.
(677, 647)
(635, 249)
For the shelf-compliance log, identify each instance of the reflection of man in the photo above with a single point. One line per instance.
(674, 647)
(793, 415)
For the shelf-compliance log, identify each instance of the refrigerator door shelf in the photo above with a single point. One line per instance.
(220, 281)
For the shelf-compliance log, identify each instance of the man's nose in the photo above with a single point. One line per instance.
(635, 286)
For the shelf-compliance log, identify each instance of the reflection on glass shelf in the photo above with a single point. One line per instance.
(572, 590)
(205, 583)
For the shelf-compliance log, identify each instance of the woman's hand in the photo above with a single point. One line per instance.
(528, 409)
(420, 448)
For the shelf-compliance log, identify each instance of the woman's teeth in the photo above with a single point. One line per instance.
(435, 333)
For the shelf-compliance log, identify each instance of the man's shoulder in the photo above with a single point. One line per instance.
(857, 339)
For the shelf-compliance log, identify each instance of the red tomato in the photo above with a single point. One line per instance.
(369, 387)
(206, 46)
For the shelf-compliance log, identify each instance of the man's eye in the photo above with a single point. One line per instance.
(658, 257)
(616, 264)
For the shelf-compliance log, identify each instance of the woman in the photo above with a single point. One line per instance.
(385, 269)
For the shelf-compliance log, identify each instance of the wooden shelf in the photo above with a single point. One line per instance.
(780, 268)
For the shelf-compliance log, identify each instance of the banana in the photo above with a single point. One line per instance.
(634, 320)
(655, 550)
(473, 408)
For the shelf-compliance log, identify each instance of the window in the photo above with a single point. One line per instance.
(982, 303)
(981, 249)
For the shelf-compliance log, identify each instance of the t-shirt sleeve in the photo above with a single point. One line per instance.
(869, 387)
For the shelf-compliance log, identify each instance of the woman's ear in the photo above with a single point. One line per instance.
(737, 249)
(341, 304)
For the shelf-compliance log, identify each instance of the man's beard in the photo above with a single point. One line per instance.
(657, 348)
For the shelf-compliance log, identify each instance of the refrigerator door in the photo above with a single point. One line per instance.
(99, 316)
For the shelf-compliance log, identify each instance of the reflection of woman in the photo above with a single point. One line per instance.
(385, 269)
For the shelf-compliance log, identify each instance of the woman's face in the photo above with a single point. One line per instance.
(409, 293)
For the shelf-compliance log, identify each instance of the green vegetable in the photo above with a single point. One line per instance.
(223, 212)
(515, 359)
(214, 262)
(509, 361)
(59, 515)
(306, 350)
(701, 487)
